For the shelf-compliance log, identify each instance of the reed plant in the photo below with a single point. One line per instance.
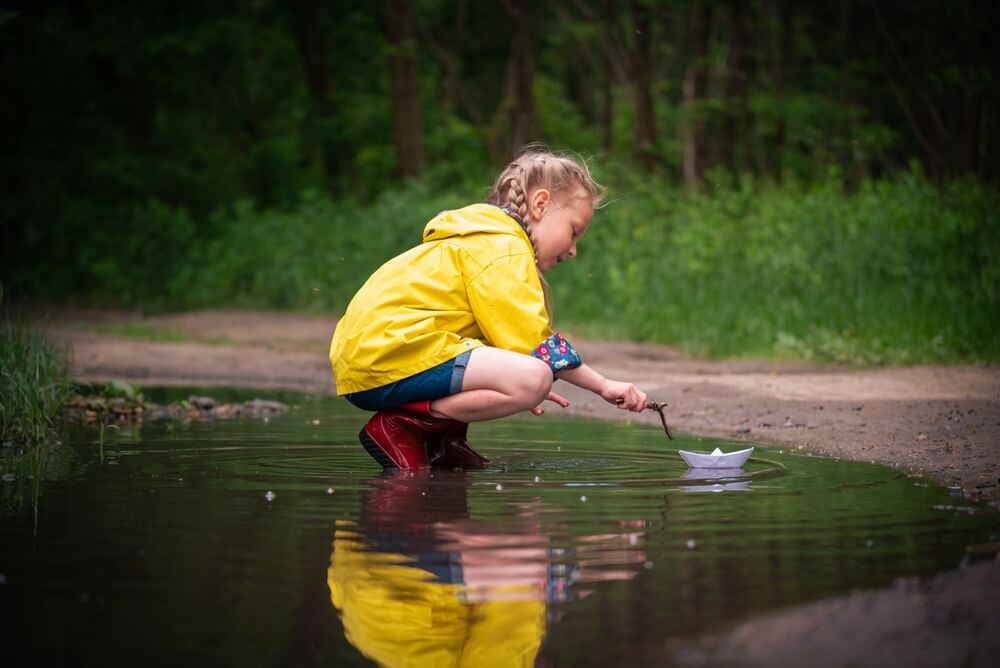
(34, 383)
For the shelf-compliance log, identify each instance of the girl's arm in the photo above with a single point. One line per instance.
(625, 395)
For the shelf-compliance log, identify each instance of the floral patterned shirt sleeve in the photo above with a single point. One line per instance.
(557, 352)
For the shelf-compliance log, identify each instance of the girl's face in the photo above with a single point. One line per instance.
(557, 222)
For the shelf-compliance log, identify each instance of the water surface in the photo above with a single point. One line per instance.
(584, 543)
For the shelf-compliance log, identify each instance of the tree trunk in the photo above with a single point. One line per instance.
(644, 148)
(313, 50)
(404, 89)
(786, 19)
(606, 111)
(521, 77)
(695, 83)
(612, 70)
(734, 120)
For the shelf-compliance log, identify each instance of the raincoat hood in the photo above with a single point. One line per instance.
(475, 219)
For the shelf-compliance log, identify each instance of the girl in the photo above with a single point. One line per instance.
(458, 329)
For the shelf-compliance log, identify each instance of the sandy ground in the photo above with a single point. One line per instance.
(939, 421)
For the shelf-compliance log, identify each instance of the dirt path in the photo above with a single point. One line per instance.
(940, 421)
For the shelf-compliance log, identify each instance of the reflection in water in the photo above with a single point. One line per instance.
(419, 581)
(169, 547)
(717, 480)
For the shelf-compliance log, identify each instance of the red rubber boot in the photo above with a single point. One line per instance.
(394, 441)
(456, 453)
(447, 443)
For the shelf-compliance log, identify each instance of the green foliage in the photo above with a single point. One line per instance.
(119, 389)
(33, 384)
(313, 257)
(898, 272)
(166, 156)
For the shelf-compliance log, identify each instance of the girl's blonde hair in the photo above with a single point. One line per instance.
(533, 168)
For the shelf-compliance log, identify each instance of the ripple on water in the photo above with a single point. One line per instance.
(602, 525)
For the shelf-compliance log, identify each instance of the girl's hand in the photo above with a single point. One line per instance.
(625, 395)
(538, 410)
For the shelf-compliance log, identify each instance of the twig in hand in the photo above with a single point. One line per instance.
(659, 406)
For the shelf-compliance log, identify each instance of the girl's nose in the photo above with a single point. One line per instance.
(572, 250)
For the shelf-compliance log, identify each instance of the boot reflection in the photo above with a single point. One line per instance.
(409, 596)
(418, 581)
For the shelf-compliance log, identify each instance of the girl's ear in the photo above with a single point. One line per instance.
(538, 202)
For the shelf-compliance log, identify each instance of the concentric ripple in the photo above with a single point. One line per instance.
(592, 536)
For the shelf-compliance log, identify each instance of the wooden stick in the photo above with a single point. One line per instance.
(659, 407)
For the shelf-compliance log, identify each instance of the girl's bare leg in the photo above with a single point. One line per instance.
(497, 383)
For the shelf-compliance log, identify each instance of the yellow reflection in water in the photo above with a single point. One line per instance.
(418, 582)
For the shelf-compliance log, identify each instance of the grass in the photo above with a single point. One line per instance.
(897, 271)
(34, 383)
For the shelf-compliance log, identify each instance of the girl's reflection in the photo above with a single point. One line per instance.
(418, 581)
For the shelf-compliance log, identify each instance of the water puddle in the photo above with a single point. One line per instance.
(583, 543)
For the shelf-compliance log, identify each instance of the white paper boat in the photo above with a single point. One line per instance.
(717, 459)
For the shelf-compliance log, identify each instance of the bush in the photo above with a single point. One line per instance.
(900, 271)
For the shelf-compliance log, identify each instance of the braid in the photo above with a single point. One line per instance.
(536, 167)
(517, 199)
(517, 196)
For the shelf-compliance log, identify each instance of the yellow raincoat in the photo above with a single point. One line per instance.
(472, 282)
(397, 615)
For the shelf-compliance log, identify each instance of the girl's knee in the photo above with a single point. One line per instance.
(537, 383)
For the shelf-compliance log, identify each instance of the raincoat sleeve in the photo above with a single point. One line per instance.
(509, 306)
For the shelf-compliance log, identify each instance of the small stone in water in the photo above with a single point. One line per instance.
(584, 499)
(499, 488)
(270, 496)
(869, 543)
(691, 543)
(329, 490)
(538, 478)
(648, 565)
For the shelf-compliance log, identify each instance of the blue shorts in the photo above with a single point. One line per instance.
(441, 381)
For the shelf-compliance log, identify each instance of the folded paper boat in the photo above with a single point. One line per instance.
(717, 459)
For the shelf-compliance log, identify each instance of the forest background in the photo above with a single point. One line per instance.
(815, 180)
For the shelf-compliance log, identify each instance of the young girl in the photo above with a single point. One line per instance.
(459, 330)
